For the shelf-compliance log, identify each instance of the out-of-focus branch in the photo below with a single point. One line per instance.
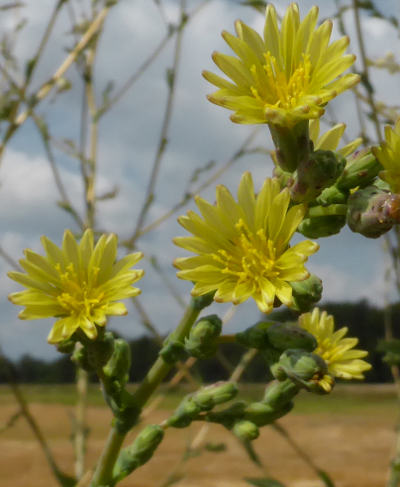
(45, 89)
(163, 140)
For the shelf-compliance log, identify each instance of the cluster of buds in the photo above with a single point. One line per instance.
(337, 190)
(110, 358)
(288, 349)
(138, 453)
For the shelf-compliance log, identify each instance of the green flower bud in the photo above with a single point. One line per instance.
(202, 340)
(117, 368)
(299, 365)
(278, 394)
(246, 430)
(322, 226)
(218, 393)
(283, 336)
(306, 293)
(318, 172)
(262, 414)
(372, 211)
(292, 145)
(332, 195)
(187, 411)
(360, 170)
(140, 452)
(227, 417)
(256, 336)
(172, 351)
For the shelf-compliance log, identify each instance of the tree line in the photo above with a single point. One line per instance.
(363, 320)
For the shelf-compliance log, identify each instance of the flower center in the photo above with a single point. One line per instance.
(253, 257)
(77, 296)
(325, 350)
(281, 90)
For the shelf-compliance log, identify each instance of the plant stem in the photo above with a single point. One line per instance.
(160, 369)
(103, 473)
(80, 427)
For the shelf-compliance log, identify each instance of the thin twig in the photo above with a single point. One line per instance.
(48, 85)
(188, 196)
(163, 140)
(365, 71)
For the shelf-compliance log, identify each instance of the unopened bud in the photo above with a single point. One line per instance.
(246, 430)
(306, 293)
(318, 172)
(187, 411)
(117, 368)
(322, 226)
(283, 336)
(372, 211)
(139, 452)
(332, 195)
(227, 417)
(217, 393)
(202, 340)
(255, 336)
(299, 365)
(262, 414)
(360, 170)
(278, 394)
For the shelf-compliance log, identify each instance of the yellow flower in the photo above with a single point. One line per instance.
(342, 359)
(286, 77)
(78, 283)
(331, 138)
(243, 247)
(388, 154)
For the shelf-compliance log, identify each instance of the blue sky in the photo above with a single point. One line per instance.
(351, 266)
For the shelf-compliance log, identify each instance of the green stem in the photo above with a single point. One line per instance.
(103, 473)
(160, 368)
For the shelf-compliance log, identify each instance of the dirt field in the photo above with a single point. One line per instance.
(352, 444)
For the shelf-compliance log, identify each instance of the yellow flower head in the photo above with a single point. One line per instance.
(286, 77)
(388, 154)
(338, 352)
(78, 283)
(243, 247)
(331, 138)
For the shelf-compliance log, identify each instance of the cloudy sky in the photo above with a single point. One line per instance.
(351, 267)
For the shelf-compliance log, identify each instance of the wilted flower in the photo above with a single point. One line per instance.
(342, 359)
(286, 77)
(78, 283)
(243, 247)
(388, 154)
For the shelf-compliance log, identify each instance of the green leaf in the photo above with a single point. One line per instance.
(264, 482)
